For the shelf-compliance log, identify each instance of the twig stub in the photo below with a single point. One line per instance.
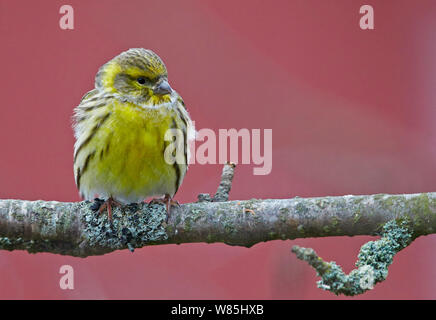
(222, 193)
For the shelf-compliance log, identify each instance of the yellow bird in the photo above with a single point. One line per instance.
(132, 133)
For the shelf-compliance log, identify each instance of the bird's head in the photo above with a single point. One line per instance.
(137, 75)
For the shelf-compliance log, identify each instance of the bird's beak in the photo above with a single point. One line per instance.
(162, 88)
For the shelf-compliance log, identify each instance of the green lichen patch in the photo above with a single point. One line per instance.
(301, 208)
(284, 214)
(420, 211)
(131, 226)
(372, 266)
(321, 203)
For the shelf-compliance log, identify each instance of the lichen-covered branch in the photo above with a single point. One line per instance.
(372, 265)
(74, 229)
(222, 194)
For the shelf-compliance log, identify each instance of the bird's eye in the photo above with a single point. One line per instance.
(141, 80)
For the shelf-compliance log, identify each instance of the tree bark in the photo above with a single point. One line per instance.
(74, 229)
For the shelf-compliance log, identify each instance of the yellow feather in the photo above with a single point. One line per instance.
(111, 70)
(127, 159)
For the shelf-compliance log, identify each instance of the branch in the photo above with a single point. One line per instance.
(222, 194)
(374, 259)
(74, 229)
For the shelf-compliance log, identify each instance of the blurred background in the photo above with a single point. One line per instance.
(352, 112)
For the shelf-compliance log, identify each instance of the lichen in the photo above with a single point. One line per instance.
(197, 214)
(284, 214)
(421, 213)
(251, 204)
(131, 227)
(300, 208)
(188, 224)
(33, 246)
(356, 217)
(335, 224)
(321, 203)
(372, 266)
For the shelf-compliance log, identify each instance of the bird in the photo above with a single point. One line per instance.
(132, 134)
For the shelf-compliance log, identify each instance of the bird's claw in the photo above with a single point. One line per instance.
(100, 205)
(168, 202)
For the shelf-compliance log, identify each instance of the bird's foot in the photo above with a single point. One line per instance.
(96, 204)
(168, 202)
(100, 205)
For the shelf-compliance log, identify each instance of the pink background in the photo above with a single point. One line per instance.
(352, 112)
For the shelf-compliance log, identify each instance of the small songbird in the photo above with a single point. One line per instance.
(121, 129)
